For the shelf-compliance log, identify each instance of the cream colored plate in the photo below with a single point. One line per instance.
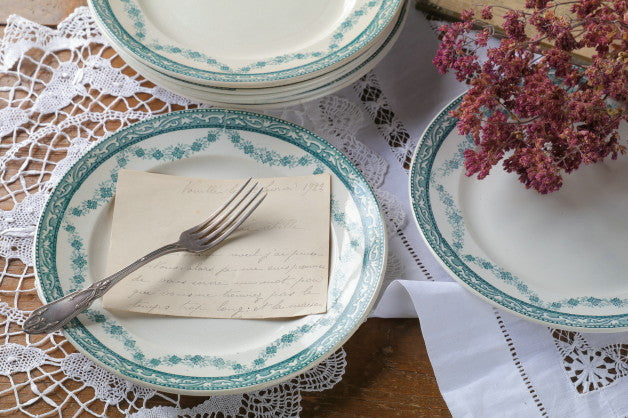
(559, 259)
(235, 43)
(311, 89)
(195, 355)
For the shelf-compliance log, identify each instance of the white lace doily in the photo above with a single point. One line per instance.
(62, 90)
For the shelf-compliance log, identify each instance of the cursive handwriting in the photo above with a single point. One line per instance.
(275, 265)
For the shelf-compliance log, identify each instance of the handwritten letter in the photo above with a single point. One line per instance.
(275, 265)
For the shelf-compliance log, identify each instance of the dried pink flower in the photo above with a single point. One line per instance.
(532, 107)
(487, 13)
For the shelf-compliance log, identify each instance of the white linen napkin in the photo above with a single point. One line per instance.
(491, 363)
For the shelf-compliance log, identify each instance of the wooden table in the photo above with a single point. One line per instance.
(388, 371)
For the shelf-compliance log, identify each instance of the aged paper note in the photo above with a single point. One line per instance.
(275, 265)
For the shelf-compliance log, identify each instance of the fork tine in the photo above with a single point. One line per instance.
(234, 222)
(220, 225)
(219, 219)
(203, 224)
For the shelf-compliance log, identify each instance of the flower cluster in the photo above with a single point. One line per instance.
(530, 104)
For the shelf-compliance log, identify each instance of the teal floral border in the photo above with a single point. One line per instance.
(348, 320)
(421, 177)
(223, 73)
(375, 55)
(134, 14)
(118, 332)
(533, 297)
(453, 166)
(103, 193)
(105, 190)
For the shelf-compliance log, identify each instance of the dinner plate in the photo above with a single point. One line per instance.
(265, 101)
(235, 43)
(276, 96)
(194, 355)
(244, 96)
(559, 259)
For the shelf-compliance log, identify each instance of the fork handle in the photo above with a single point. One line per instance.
(56, 314)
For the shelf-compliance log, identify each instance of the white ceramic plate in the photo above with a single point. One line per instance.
(326, 85)
(270, 94)
(194, 355)
(259, 95)
(245, 42)
(559, 259)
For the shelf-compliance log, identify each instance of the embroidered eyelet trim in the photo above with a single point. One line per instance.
(519, 364)
(387, 122)
(414, 255)
(396, 136)
(588, 368)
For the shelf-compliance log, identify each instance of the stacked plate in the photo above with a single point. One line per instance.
(248, 53)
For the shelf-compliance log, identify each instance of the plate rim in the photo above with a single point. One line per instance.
(370, 58)
(102, 9)
(557, 319)
(378, 270)
(329, 87)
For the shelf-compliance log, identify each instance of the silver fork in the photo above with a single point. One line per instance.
(199, 238)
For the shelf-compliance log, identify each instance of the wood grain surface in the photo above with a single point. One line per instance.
(388, 371)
